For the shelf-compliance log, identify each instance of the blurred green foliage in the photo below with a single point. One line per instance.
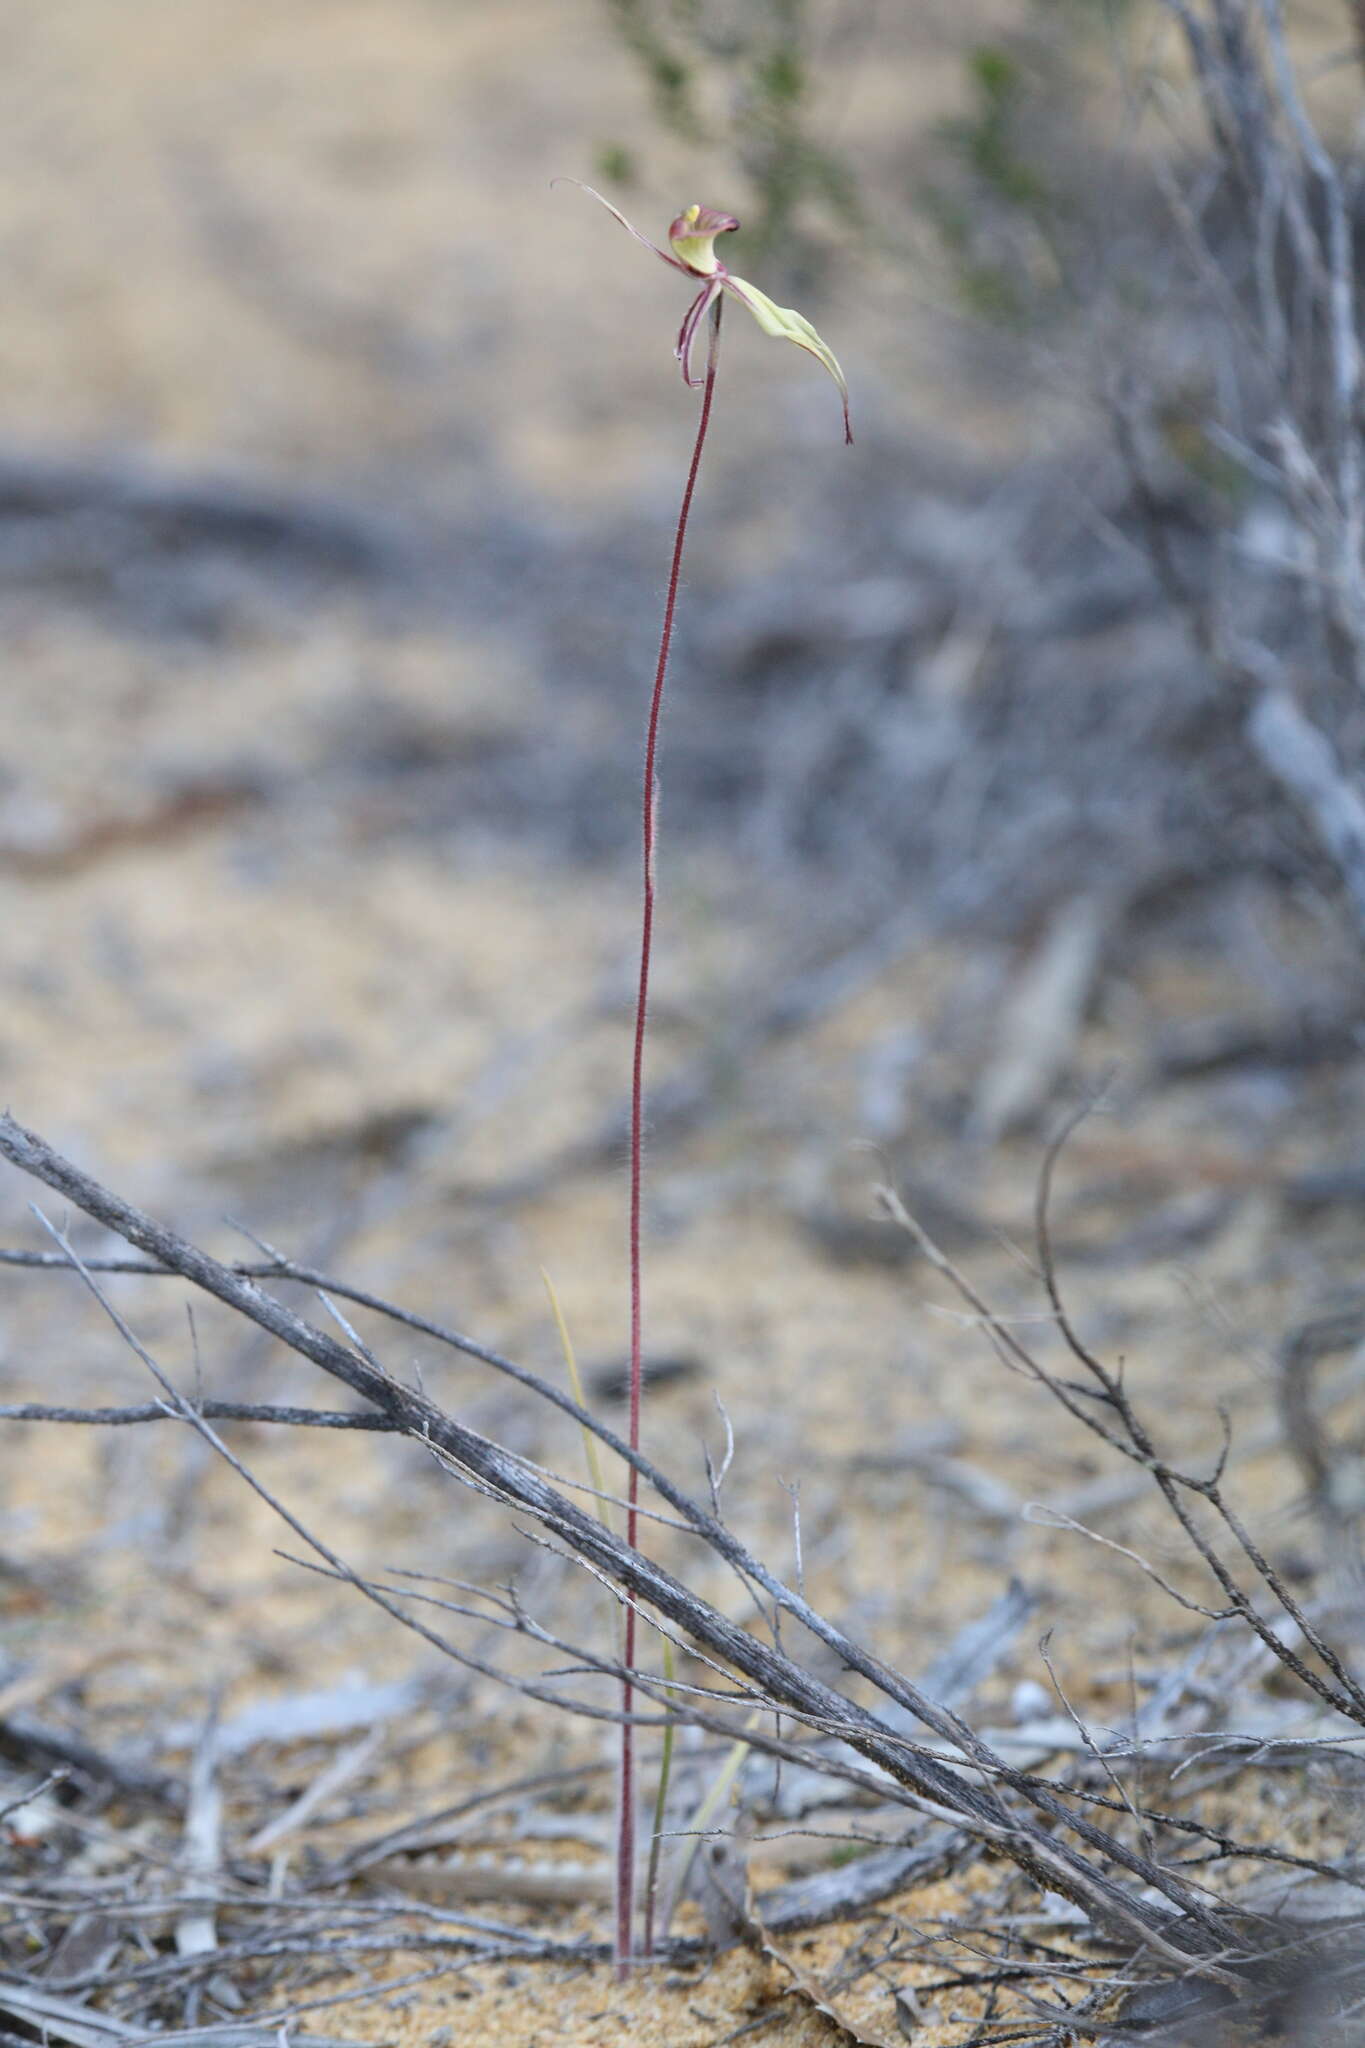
(742, 79)
(614, 164)
(658, 34)
(995, 210)
(1182, 419)
(736, 75)
(986, 137)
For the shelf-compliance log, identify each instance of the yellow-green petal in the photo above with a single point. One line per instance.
(786, 324)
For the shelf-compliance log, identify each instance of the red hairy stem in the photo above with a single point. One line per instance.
(625, 1834)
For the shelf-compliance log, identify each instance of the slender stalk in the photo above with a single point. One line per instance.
(625, 1833)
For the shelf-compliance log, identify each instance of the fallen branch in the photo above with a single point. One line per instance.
(1185, 1927)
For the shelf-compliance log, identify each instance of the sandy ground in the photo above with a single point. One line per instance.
(317, 245)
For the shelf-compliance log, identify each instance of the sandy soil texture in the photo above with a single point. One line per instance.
(309, 387)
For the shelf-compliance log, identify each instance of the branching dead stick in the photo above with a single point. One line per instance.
(215, 1411)
(279, 1267)
(1196, 1930)
(1346, 1696)
(707, 1526)
(178, 1408)
(1309, 768)
(1341, 296)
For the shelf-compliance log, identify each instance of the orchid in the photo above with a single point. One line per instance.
(692, 250)
(692, 239)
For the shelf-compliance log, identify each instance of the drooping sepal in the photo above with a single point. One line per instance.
(786, 324)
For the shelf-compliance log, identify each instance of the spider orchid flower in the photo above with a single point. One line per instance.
(692, 240)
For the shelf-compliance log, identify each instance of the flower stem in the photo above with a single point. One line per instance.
(625, 1833)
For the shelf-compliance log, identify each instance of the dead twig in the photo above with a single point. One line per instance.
(1186, 1926)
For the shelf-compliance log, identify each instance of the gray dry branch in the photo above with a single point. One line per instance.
(1088, 1833)
(1059, 1849)
(1102, 1405)
(1278, 610)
